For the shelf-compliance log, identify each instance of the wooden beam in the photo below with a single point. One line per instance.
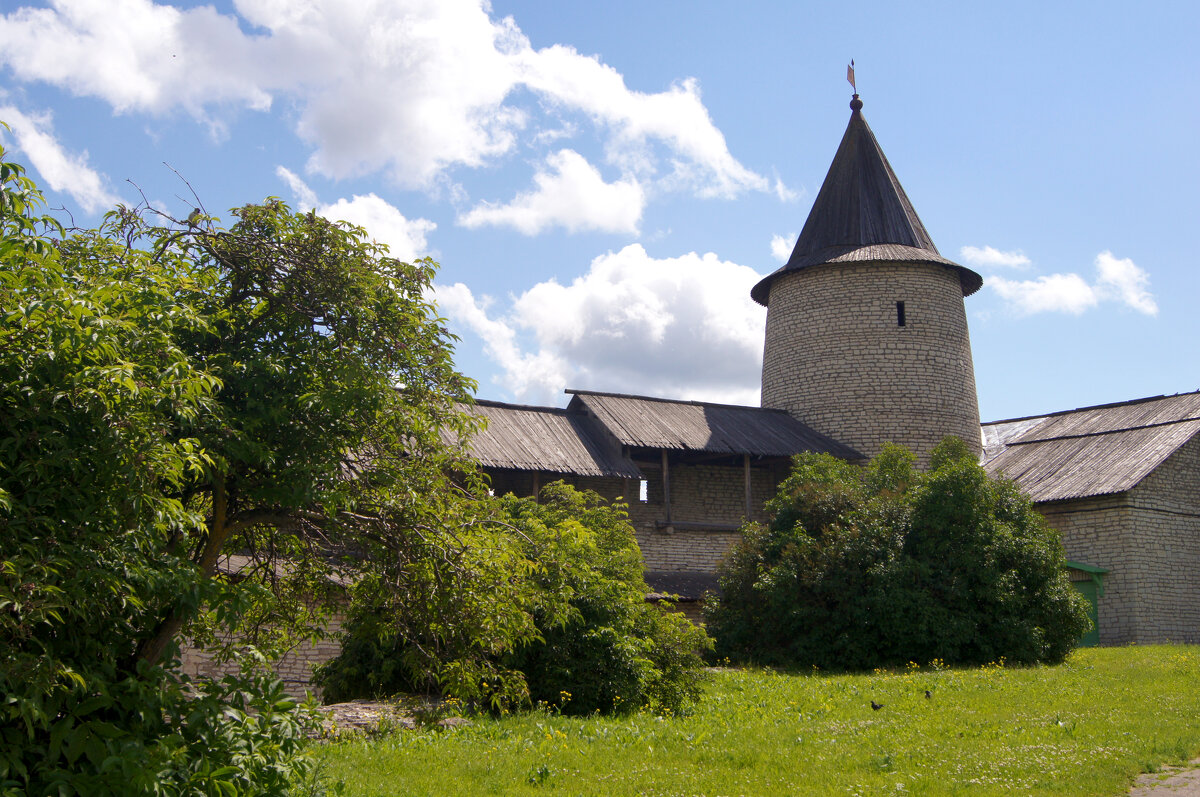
(666, 476)
(746, 470)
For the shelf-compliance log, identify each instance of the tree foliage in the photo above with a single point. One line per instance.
(172, 392)
(883, 565)
(585, 639)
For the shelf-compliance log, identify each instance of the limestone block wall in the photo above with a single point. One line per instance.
(1149, 540)
(1166, 508)
(295, 668)
(836, 357)
(1098, 531)
(699, 494)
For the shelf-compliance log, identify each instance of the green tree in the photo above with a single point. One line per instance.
(171, 392)
(880, 566)
(584, 639)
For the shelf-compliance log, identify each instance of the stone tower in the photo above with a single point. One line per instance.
(867, 336)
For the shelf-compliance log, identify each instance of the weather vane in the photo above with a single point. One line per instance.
(850, 76)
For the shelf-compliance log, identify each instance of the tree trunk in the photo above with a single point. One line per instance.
(218, 532)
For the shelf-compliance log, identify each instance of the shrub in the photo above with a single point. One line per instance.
(880, 566)
(594, 643)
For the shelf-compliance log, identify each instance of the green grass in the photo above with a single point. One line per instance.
(1085, 727)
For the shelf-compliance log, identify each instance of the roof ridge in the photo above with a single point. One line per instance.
(511, 406)
(664, 400)
(1109, 405)
(1098, 433)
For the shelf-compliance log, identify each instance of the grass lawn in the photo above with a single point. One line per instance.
(1085, 727)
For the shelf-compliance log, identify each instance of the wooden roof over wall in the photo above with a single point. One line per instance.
(862, 214)
(593, 435)
(642, 422)
(518, 437)
(1091, 451)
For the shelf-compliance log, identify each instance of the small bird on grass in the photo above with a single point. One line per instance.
(876, 706)
(928, 694)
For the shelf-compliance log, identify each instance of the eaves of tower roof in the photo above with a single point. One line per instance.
(862, 214)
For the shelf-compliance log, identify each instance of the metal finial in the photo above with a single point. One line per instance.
(856, 103)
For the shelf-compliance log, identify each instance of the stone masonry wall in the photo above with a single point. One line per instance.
(836, 358)
(1167, 528)
(1098, 531)
(1149, 540)
(295, 668)
(699, 494)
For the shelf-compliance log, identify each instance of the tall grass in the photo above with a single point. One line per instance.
(1085, 727)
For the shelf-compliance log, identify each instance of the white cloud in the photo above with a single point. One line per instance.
(572, 195)
(135, 54)
(541, 375)
(410, 88)
(676, 117)
(1117, 280)
(782, 246)
(306, 198)
(1122, 280)
(783, 193)
(60, 169)
(1063, 293)
(988, 257)
(682, 327)
(404, 238)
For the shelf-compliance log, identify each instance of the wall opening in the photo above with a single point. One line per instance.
(901, 320)
(643, 491)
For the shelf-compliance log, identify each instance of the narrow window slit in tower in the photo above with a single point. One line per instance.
(900, 314)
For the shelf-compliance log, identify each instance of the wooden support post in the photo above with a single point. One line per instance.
(746, 469)
(537, 486)
(666, 474)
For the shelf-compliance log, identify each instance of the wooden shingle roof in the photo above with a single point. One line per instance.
(643, 422)
(1091, 451)
(862, 214)
(545, 439)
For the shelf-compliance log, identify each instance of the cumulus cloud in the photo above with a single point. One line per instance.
(681, 327)
(60, 169)
(782, 246)
(1117, 280)
(989, 257)
(410, 88)
(404, 238)
(572, 195)
(136, 55)
(538, 376)
(1062, 293)
(1124, 281)
(676, 117)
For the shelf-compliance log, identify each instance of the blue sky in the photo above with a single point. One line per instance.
(603, 182)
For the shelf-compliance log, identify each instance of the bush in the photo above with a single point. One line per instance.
(602, 647)
(861, 568)
(571, 567)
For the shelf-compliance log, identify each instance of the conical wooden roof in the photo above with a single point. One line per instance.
(862, 214)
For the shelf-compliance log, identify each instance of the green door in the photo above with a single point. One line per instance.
(1088, 590)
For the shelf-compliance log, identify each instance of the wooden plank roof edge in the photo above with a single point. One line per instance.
(663, 400)
(525, 407)
(1110, 405)
(1100, 432)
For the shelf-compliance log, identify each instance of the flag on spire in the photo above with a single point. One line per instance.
(850, 74)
